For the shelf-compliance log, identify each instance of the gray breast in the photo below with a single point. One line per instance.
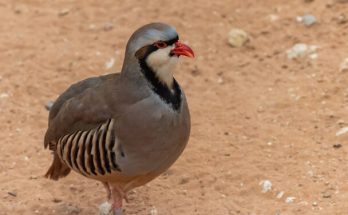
(152, 135)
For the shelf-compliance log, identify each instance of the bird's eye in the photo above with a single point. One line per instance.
(160, 44)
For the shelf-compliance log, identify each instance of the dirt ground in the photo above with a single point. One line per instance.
(256, 115)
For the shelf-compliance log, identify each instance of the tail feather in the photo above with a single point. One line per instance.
(58, 169)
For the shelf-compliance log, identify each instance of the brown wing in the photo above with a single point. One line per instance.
(83, 107)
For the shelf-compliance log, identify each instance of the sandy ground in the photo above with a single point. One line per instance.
(256, 115)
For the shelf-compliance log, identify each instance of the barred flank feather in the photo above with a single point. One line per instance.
(87, 152)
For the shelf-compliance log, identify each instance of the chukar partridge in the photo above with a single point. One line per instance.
(124, 129)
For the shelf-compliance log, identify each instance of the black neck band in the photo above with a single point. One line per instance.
(173, 97)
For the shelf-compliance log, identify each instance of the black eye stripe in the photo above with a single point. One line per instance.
(171, 42)
(143, 52)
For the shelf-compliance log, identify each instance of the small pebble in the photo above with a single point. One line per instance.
(280, 194)
(273, 17)
(266, 186)
(307, 20)
(315, 204)
(110, 63)
(63, 12)
(344, 65)
(220, 80)
(12, 193)
(342, 131)
(4, 95)
(341, 122)
(337, 145)
(302, 50)
(341, 19)
(49, 105)
(184, 180)
(108, 26)
(55, 200)
(290, 199)
(237, 37)
(153, 211)
(327, 194)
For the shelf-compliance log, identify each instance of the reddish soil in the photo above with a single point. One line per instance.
(256, 115)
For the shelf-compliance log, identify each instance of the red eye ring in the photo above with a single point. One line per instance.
(160, 44)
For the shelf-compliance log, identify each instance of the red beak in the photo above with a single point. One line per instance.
(182, 49)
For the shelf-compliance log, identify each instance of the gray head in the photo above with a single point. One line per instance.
(156, 47)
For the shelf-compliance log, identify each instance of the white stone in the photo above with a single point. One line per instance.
(301, 50)
(105, 208)
(266, 185)
(110, 63)
(290, 199)
(280, 194)
(307, 19)
(342, 131)
(4, 95)
(153, 211)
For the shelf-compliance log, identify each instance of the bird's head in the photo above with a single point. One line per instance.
(156, 46)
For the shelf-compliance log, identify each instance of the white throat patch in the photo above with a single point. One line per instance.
(163, 65)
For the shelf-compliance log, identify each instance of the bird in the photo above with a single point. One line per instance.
(124, 129)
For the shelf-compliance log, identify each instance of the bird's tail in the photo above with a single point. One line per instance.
(58, 169)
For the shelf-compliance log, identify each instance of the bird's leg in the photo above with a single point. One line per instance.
(108, 191)
(117, 196)
(106, 207)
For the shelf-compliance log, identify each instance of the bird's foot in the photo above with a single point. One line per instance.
(106, 208)
(117, 211)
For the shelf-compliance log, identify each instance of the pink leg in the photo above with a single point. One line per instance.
(117, 196)
(108, 191)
